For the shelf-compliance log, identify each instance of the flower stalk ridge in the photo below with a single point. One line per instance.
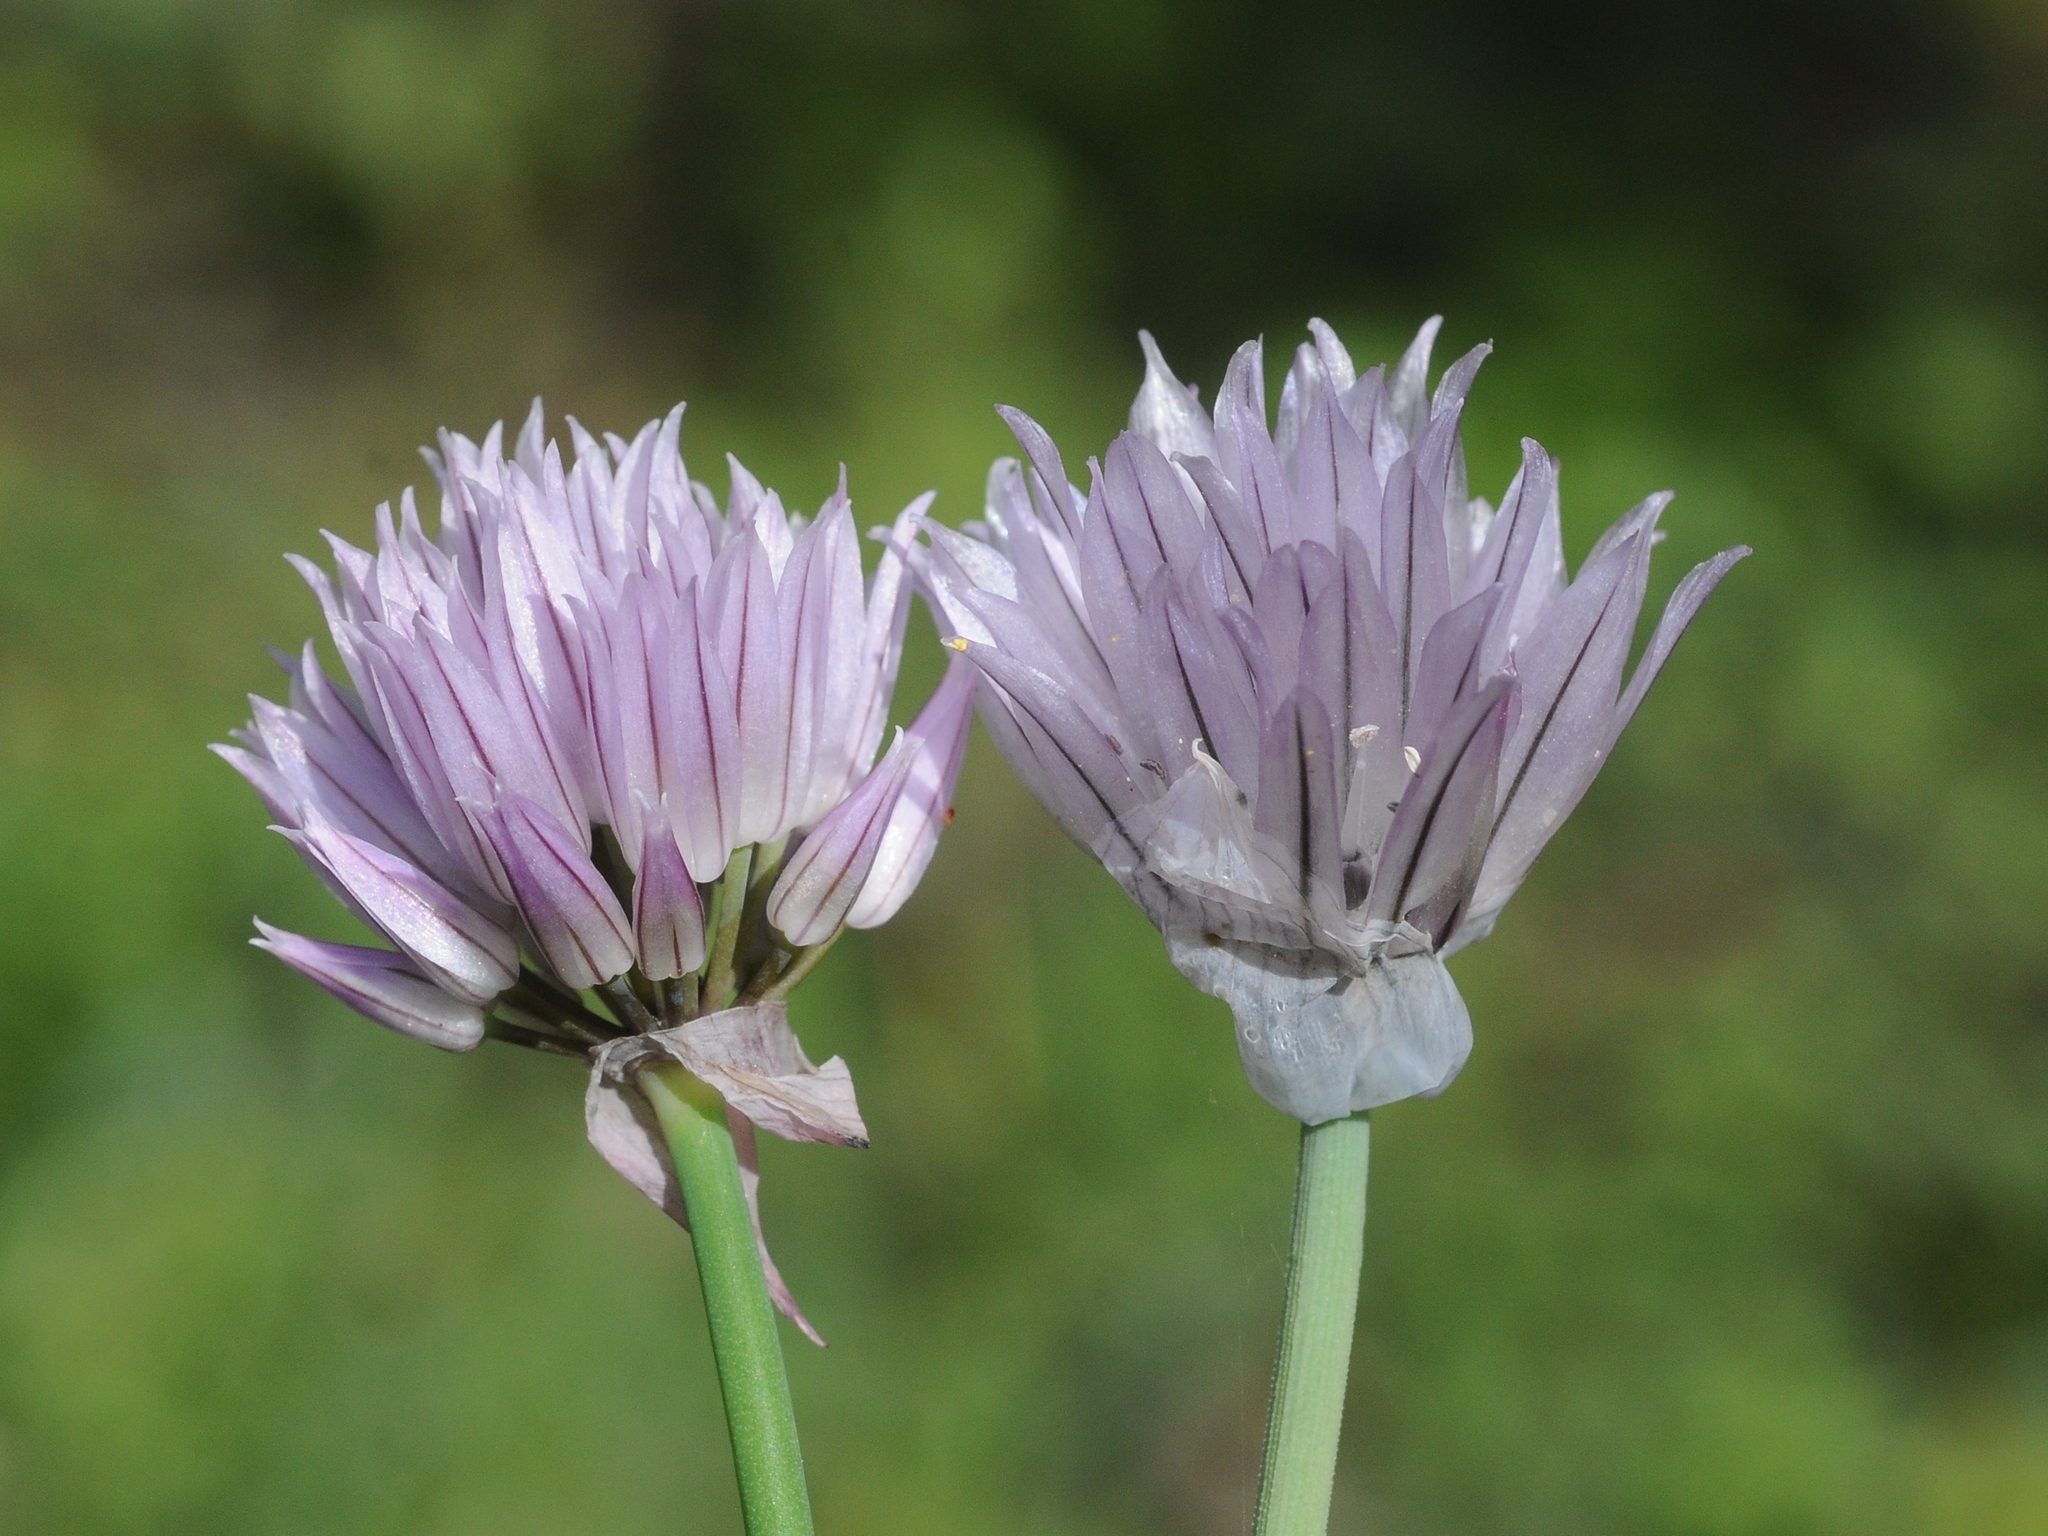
(607, 775)
(1312, 704)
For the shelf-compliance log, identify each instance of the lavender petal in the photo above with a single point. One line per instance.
(823, 878)
(668, 910)
(924, 807)
(576, 922)
(461, 950)
(380, 985)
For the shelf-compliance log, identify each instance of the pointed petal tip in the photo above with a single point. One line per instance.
(382, 985)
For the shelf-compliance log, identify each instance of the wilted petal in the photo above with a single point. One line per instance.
(749, 1156)
(380, 985)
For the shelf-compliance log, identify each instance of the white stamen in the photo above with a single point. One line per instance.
(1364, 734)
(1413, 758)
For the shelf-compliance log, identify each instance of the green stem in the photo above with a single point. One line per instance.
(744, 1341)
(766, 988)
(1323, 1261)
(719, 985)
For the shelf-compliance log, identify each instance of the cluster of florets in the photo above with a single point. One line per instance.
(1316, 706)
(599, 735)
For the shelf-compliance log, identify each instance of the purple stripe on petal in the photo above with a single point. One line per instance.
(1450, 668)
(1415, 833)
(824, 876)
(1262, 480)
(576, 922)
(262, 774)
(381, 986)
(1048, 474)
(1414, 568)
(1333, 476)
(668, 910)
(1086, 748)
(704, 808)
(464, 952)
(740, 599)
(1686, 601)
(1581, 723)
(1240, 540)
(1297, 809)
(1147, 497)
(925, 804)
(888, 615)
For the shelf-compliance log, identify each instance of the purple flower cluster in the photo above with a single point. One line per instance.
(1316, 707)
(599, 734)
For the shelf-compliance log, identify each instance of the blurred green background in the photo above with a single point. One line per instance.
(1737, 1224)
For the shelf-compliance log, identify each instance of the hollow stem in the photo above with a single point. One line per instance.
(744, 1342)
(1323, 1259)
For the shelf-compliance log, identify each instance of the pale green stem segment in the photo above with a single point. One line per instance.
(744, 1340)
(1323, 1261)
(719, 985)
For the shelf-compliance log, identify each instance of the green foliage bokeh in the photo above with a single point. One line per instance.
(1737, 1224)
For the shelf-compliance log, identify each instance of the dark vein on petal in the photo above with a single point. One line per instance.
(1556, 703)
